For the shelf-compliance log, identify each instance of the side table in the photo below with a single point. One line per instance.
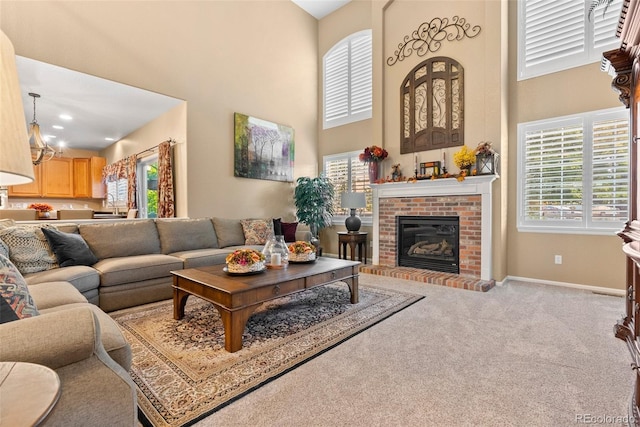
(28, 393)
(354, 240)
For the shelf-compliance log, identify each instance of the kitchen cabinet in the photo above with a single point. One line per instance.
(63, 177)
(87, 177)
(32, 189)
(57, 177)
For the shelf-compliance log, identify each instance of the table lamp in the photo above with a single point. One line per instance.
(15, 158)
(352, 201)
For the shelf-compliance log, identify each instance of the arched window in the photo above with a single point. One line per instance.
(347, 74)
(432, 106)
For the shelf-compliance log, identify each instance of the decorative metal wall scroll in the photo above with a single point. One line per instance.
(430, 35)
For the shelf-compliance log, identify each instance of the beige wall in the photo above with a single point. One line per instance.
(484, 62)
(254, 57)
(172, 124)
(589, 260)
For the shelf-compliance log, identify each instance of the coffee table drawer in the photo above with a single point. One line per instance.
(280, 289)
(329, 277)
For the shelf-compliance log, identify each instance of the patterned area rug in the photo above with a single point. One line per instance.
(183, 373)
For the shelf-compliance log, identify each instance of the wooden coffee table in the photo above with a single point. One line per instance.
(237, 296)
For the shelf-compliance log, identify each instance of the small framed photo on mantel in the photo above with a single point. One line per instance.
(429, 169)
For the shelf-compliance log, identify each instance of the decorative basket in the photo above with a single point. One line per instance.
(240, 268)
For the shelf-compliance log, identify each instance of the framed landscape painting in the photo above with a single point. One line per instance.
(262, 149)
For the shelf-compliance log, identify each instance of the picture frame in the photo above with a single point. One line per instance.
(262, 149)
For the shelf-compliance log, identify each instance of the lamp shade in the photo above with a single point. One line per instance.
(352, 200)
(15, 155)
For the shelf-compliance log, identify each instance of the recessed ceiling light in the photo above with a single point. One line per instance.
(65, 117)
(50, 136)
(57, 127)
(61, 143)
(109, 139)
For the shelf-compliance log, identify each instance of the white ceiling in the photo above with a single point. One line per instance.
(320, 8)
(99, 108)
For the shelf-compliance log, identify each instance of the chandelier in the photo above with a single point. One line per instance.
(40, 150)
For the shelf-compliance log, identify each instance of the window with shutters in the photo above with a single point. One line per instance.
(117, 193)
(574, 173)
(557, 35)
(347, 75)
(347, 173)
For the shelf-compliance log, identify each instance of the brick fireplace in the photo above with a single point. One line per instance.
(470, 200)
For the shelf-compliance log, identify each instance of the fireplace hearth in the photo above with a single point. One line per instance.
(429, 242)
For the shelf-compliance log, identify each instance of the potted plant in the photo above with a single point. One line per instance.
(314, 203)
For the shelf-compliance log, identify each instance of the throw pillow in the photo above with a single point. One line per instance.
(256, 231)
(6, 312)
(277, 226)
(29, 250)
(70, 248)
(289, 231)
(14, 290)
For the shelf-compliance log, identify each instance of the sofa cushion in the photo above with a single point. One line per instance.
(229, 232)
(121, 239)
(83, 278)
(29, 250)
(14, 290)
(69, 248)
(186, 234)
(117, 271)
(54, 294)
(256, 231)
(202, 257)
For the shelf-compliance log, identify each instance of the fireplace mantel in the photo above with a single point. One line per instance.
(474, 185)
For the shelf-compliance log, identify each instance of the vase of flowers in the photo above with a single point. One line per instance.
(464, 159)
(373, 156)
(42, 208)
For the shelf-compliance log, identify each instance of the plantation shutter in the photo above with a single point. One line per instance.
(553, 173)
(337, 171)
(336, 84)
(347, 80)
(610, 171)
(361, 72)
(555, 35)
(553, 30)
(347, 173)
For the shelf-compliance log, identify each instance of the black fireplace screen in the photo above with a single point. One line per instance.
(429, 242)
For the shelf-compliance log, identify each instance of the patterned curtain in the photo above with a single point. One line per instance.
(131, 183)
(114, 171)
(165, 181)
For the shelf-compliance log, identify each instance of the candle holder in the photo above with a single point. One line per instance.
(276, 253)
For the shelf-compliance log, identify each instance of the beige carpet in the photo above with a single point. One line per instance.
(518, 355)
(183, 372)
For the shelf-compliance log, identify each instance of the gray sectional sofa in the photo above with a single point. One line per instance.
(127, 263)
(135, 257)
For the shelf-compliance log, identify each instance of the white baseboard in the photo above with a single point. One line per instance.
(594, 289)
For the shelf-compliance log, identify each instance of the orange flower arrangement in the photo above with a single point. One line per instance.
(301, 247)
(244, 257)
(373, 154)
(40, 207)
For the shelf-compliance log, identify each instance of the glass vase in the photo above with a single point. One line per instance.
(276, 253)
